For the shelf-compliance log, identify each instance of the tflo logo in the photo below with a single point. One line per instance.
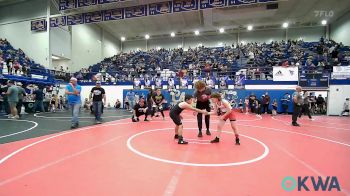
(318, 183)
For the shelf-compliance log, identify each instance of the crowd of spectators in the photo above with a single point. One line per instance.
(15, 61)
(256, 58)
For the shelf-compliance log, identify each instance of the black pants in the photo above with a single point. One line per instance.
(202, 106)
(155, 109)
(19, 107)
(252, 108)
(344, 112)
(138, 114)
(296, 113)
(258, 110)
(265, 108)
(305, 110)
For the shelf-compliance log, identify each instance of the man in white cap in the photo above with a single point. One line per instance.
(74, 101)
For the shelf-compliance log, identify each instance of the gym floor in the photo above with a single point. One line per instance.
(40, 155)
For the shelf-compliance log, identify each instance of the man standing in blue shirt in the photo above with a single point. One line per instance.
(73, 96)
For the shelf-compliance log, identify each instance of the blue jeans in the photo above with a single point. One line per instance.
(40, 104)
(132, 104)
(97, 106)
(75, 112)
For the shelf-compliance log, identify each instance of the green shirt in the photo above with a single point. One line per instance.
(13, 94)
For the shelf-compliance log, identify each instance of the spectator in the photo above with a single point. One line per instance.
(285, 103)
(266, 102)
(306, 106)
(21, 95)
(39, 98)
(274, 107)
(97, 94)
(297, 101)
(320, 103)
(9, 66)
(87, 104)
(12, 97)
(346, 107)
(117, 104)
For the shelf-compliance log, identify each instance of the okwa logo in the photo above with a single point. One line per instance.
(312, 183)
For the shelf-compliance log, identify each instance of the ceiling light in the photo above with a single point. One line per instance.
(250, 27)
(196, 32)
(55, 57)
(221, 30)
(146, 36)
(285, 25)
(324, 22)
(123, 39)
(172, 34)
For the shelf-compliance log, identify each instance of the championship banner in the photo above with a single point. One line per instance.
(67, 4)
(115, 14)
(75, 19)
(58, 21)
(205, 4)
(39, 25)
(160, 8)
(137, 11)
(285, 74)
(185, 5)
(341, 72)
(93, 17)
(241, 2)
(109, 1)
(83, 3)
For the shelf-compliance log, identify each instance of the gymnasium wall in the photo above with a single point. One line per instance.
(340, 29)
(112, 93)
(82, 45)
(61, 42)
(15, 27)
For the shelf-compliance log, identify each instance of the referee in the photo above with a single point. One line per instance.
(298, 102)
(202, 95)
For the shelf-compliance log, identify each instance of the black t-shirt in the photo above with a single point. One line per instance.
(39, 95)
(158, 98)
(251, 99)
(4, 90)
(200, 97)
(139, 110)
(9, 61)
(97, 93)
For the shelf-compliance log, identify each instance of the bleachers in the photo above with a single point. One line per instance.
(28, 69)
(256, 57)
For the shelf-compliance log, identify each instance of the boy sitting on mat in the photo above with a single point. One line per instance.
(176, 117)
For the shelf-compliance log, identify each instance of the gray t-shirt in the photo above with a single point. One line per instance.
(299, 98)
(21, 92)
(13, 94)
(306, 100)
